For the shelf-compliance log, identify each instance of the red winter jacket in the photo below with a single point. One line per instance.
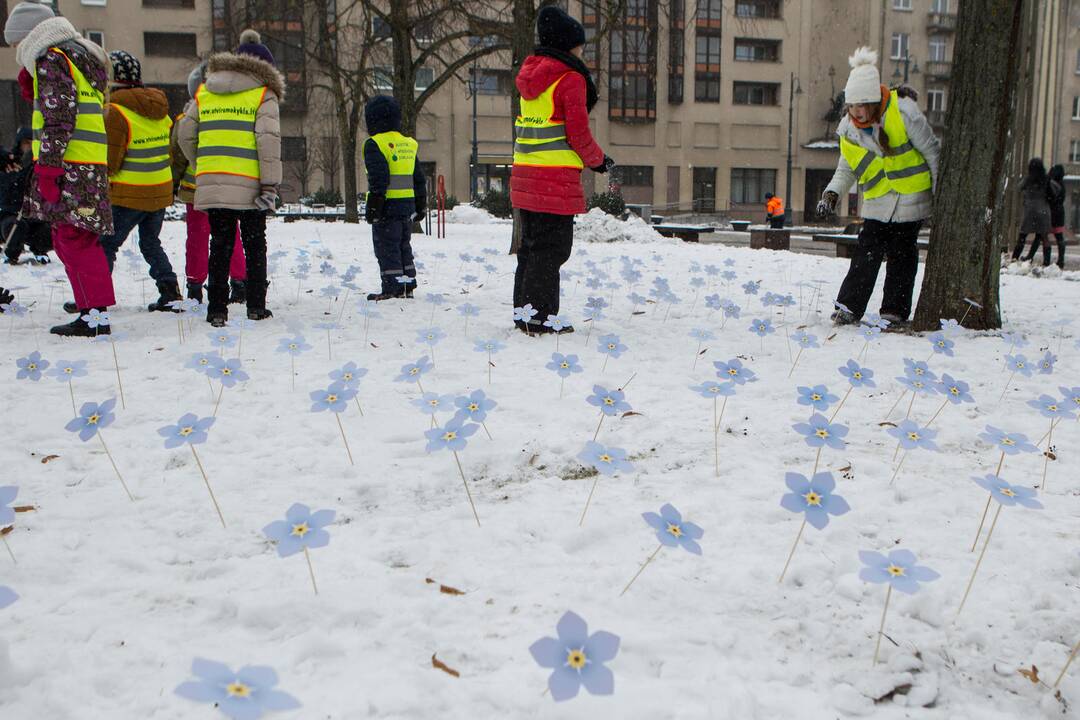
(550, 189)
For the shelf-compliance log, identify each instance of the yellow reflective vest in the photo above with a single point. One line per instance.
(88, 144)
(146, 159)
(227, 143)
(904, 170)
(400, 153)
(539, 140)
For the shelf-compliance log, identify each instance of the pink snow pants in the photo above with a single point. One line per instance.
(198, 249)
(85, 265)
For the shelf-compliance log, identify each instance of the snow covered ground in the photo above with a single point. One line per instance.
(117, 598)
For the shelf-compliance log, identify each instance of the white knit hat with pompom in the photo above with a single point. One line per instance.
(864, 82)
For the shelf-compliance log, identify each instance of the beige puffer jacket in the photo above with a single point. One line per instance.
(229, 73)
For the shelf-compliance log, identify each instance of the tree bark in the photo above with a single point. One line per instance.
(972, 222)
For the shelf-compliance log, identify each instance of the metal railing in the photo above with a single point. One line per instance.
(938, 68)
(937, 21)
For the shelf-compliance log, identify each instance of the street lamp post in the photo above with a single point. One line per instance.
(792, 91)
(911, 67)
(474, 160)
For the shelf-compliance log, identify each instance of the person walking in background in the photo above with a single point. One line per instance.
(66, 77)
(1036, 189)
(197, 247)
(15, 178)
(774, 211)
(235, 136)
(1057, 210)
(397, 195)
(552, 145)
(888, 148)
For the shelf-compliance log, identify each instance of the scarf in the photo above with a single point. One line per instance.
(575, 64)
(51, 33)
(879, 114)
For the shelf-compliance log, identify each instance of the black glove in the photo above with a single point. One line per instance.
(374, 209)
(604, 166)
(827, 205)
(421, 212)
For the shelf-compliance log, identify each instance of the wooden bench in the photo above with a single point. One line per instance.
(846, 243)
(740, 225)
(688, 233)
(770, 239)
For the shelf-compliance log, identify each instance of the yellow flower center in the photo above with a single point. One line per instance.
(605, 458)
(608, 401)
(954, 390)
(565, 365)
(941, 343)
(292, 346)
(812, 498)
(32, 366)
(1020, 365)
(815, 397)
(732, 372)
(610, 346)
(1007, 492)
(346, 376)
(412, 371)
(1052, 408)
(714, 389)
(226, 371)
(331, 398)
(761, 327)
(185, 431)
(473, 407)
(918, 384)
(913, 436)
(857, 375)
(68, 370)
(895, 570)
(204, 361)
(1007, 441)
(92, 420)
(238, 689)
(433, 403)
(575, 659)
(449, 435)
(918, 371)
(822, 433)
(674, 530)
(301, 529)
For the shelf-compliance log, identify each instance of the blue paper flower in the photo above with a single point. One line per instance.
(1046, 363)
(761, 328)
(919, 385)
(300, 529)
(857, 375)
(430, 336)
(96, 318)
(950, 326)
(869, 332)
(243, 695)
(1007, 494)
(564, 365)
(92, 418)
(610, 345)
(898, 569)
(7, 597)
(330, 291)
(489, 346)
(941, 344)
(1008, 443)
(227, 372)
(734, 371)
(435, 298)
(1070, 396)
(221, 339)
(334, 398)
(367, 308)
(7, 496)
(955, 391)
(814, 498)
(1014, 339)
(606, 460)
(873, 320)
(14, 308)
(475, 406)
(65, 370)
(189, 429)
(918, 369)
(610, 402)
(819, 431)
(468, 310)
(31, 367)
(349, 374)
(817, 397)
(431, 403)
(714, 389)
(1050, 407)
(672, 531)
(751, 287)
(637, 299)
(525, 313)
(452, 436)
(412, 372)
(293, 346)
(731, 310)
(576, 658)
(702, 335)
(1018, 363)
(804, 339)
(911, 436)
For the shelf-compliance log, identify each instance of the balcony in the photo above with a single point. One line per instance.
(941, 22)
(936, 119)
(938, 69)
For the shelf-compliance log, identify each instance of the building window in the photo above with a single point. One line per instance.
(382, 77)
(749, 185)
(94, 3)
(590, 19)
(95, 36)
(633, 175)
(1076, 108)
(494, 82)
(747, 93)
(704, 197)
(380, 29)
(676, 50)
(423, 78)
(632, 63)
(221, 25)
(899, 46)
(161, 44)
(1078, 62)
(901, 5)
(170, 4)
(757, 8)
(935, 100)
(294, 149)
(939, 50)
(707, 51)
(939, 6)
(1074, 151)
(752, 50)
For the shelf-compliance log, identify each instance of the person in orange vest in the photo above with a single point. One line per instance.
(774, 211)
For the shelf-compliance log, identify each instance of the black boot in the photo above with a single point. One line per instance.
(80, 328)
(5, 298)
(237, 292)
(71, 308)
(169, 292)
(259, 314)
(194, 291)
(256, 301)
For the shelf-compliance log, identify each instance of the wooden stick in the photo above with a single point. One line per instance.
(357, 399)
(817, 459)
(964, 317)
(292, 371)
(208, 488)
(898, 465)
(13, 560)
(562, 384)
(641, 569)
(595, 434)
(72, 393)
(934, 416)
(211, 386)
(1067, 664)
(467, 491)
(218, 402)
(342, 313)
(489, 367)
(842, 401)
(906, 416)
(894, 405)
(791, 554)
(603, 369)
(589, 500)
(716, 438)
(115, 469)
(697, 354)
(1046, 434)
(989, 534)
(119, 383)
(881, 628)
(484, 425)
(627, 383)
(337, 416)
(797, 356)
(419, 385)
(1046, 455)
(311, 570)
(328, 354)
(982, 520)
(1006, 386)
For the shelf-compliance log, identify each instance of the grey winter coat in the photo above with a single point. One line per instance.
(229, 73)
(1036, 205)
(891, 207)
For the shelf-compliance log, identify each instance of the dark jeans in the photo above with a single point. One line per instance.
(149, 223)
(878, 240)
(222, 239)
(546, 243)
(1047, 250)
(21, 233)
(393, 249)
(776, 222)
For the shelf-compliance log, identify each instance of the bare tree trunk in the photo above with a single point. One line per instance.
(971, 222)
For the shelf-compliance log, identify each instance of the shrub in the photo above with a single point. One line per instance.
(610, 202)
(451, 202)
(322, 196)
(497, 203)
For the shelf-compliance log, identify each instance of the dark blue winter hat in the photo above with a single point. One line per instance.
(251, 45)
(556, 29)
(382, 114)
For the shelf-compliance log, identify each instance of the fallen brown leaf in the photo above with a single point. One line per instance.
(5, 531)
(1032, 674)
(703, 351)
(844, 469)
(886, 424)
(440, 665)
(830, 337)
(630, 413)
(24, 508)
(445, 589)
(47, 458)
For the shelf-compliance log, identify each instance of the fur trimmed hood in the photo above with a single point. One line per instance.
(230, 73)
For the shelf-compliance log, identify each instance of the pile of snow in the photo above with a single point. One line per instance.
(468, 215)
(597, 226)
